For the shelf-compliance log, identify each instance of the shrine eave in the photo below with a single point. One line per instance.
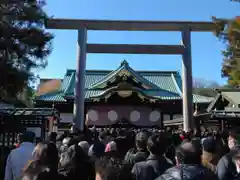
(90, 94)
(143, 94)
(44, 112)
(227, 114)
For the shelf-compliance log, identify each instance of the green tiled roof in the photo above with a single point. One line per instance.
(149, 93)
(201, 99)
(165, 85)
(57, 97)
(124, 67)
(233, 96)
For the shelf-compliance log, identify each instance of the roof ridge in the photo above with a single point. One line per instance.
(146, 80)
(227, 90)
(108, 75)
(139, 71)
(124, 66)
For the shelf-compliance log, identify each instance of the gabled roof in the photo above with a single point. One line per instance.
(126, 70)
(231, 95)
(165, 85)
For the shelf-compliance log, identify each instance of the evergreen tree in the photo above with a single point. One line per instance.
(228, 30)
(24, 44)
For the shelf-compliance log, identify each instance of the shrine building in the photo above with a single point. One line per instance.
(141, 98)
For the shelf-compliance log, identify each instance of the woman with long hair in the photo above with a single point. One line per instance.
(76, 165)
(45, 163)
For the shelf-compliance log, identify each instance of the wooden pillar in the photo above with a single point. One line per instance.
(222, 124)
(188, 123)
(79, 115)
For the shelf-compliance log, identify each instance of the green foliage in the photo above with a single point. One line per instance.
(24, 44)
(229, 32)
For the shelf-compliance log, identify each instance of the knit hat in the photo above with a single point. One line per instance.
(84, 145)
(111, 146)
(209, 145)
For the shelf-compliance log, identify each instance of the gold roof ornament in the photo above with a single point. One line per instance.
(124, 63)
(124, 93)
(152, 100)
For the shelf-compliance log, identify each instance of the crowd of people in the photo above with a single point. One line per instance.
(127, 154)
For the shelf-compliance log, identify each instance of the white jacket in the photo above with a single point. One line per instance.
(17, 160)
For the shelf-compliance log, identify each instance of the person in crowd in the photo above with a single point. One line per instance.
(65, 143)
(103, 137)
(174, 141)
(188, 158)
(111, 147)
(222, 143)
(112, 169)
(236, 160)
(97, 149)
(18, 158)
(85, 146)
(123, 143)
(112, 151)
(210, 156)
(45, 163)
(4, 152)
(52, 137)
(182, 136)
(62, 136)
(226, 168)
(140, 153)
(76, 165)
(156, 163)
(19, 140)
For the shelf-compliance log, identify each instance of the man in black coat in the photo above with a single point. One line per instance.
(188, 158)
(140, 153)
(226, 167)
(156, 163)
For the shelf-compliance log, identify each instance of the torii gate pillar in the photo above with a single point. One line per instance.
(79, 113)
(187, 95)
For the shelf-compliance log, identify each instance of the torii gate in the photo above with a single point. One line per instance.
(83, 48)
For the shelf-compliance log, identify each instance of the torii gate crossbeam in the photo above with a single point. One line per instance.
(83, 48)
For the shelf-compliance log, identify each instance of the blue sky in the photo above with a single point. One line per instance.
(206, 49)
